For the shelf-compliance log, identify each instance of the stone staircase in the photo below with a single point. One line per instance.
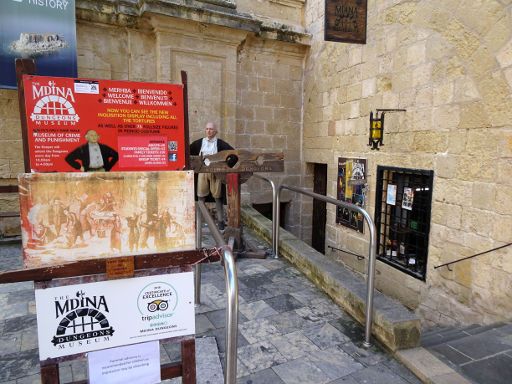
(483, 354)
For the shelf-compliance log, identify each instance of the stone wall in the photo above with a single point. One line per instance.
(449, 63)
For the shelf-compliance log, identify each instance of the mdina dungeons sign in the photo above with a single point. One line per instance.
(345, 21)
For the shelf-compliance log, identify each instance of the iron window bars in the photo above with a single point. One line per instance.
(402, 217)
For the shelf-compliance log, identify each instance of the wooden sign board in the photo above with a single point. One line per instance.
(345, 21)
(120, 267)
(238, 161)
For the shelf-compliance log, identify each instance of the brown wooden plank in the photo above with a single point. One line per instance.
(8, 189)
(184, 81)
(234, 207)
(188, 360)
(170, 370)
(238, 161)
(92, 267)
(50, 374)
(24, 66)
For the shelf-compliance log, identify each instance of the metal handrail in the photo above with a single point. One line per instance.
(275, 208)
(447, 265)
(231, 292)
(372, 249)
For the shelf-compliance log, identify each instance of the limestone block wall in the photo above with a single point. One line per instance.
(269, 112)
(449, 63)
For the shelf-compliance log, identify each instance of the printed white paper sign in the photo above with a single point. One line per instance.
(138, 363)
(87, 317)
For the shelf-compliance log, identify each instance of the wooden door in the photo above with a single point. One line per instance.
(319, 208)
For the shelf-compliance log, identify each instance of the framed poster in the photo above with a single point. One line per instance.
(68, 217)
(41, 30)
(345, 21)
(351, 187)
(103, 125)
(408, 198)
(83, 317)
(391, 194)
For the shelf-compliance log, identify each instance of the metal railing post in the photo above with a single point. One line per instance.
(372, 254)
(197, 267)
(232, 297)
(275, 209)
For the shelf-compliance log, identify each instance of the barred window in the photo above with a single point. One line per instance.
(402, 216)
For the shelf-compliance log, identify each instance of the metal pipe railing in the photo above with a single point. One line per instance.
(232, 296)
(275, 208)
(372, 249)
(197, 268)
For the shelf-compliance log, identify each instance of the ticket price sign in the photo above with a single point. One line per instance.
(103, 125)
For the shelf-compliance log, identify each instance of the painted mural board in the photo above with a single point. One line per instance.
(68, 217)
(351, 188)
(43, 30)
(103, 125)
(79, 318)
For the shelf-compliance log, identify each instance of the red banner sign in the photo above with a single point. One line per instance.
(103, 125)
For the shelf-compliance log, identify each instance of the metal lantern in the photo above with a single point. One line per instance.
(377, 127)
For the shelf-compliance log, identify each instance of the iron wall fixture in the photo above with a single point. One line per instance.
(377, 127)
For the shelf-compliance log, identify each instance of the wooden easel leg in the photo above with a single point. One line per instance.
(188, 361)
(50, 374)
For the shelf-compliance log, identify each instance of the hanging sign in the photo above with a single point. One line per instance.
(43, 30)
(103, 125)
(351, 188)
(81, 318)
(345, 21)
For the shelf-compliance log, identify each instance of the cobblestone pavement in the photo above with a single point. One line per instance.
(289, 332)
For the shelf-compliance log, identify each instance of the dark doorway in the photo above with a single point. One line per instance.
(319, 208)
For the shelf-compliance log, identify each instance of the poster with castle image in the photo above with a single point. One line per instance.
(42, 30)
(68, 217)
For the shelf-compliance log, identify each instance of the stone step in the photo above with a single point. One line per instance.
(394, 325)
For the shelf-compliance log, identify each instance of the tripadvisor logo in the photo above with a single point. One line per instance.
(157, 301)
(82, 320)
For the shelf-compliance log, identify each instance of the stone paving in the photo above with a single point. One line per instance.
(289, 332)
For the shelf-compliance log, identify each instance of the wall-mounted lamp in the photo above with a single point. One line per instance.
(377, 127)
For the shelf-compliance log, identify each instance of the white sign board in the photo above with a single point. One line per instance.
(138, 363)
(87, 317)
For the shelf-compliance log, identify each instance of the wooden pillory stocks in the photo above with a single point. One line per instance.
(236, 167)
(112, 268)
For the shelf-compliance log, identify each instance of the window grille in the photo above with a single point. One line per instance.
(402, 216)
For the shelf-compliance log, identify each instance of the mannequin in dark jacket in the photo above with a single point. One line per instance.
(93, 156)
(207, 182)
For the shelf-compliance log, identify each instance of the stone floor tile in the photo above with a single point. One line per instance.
(65, 372)
(287, 322)
(11, 343)
(208, 368)
(79, 369)
(301, 371)
(266, 376)
(309, 295)
(452, 355)
(345, 380)
(172, 350)
(401, 371)
(220, 337)
(259, 356)
(257, 310)
(255, 281)
(325, 336)
(218, 318)
(203, 324)
(250, 269)
(31, 379)
(493, 370)
(349, 328)
(284, 303)
(259, 329)
(241, 369)
(479, 346)
(17, 365)
(378, 374)
(367, 356)
(20, 323)
(253, 294)
(334, 362)
(294, 345)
